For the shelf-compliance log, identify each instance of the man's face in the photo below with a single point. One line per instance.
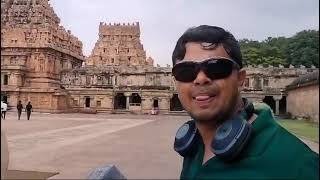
(205, 99)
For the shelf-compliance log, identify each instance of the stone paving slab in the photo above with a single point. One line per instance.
(140, 146)
(73, 144)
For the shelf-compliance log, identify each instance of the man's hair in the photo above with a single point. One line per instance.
(208, 34)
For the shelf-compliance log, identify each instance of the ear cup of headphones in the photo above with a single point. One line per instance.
(231, 138)
(185, 139)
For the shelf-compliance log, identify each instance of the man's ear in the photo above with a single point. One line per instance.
(241, 78)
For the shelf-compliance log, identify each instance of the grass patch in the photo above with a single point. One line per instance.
(301, 128)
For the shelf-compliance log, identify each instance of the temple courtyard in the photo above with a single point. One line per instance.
(141, 146)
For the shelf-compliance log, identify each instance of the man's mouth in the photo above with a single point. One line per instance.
(202, 97)
(203, 101)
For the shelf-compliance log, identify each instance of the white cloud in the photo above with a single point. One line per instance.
(162, 22)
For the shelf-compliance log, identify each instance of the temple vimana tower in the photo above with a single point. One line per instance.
(34, 49)
(43, 63)
(119, 44)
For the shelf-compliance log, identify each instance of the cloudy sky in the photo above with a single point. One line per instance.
(163, 21)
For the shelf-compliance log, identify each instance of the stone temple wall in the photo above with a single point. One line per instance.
(93, 83)
(43, 63)
(304, 102)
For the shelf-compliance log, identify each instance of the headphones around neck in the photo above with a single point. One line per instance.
(230, 139)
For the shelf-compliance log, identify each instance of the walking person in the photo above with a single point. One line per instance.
(4, 107)
(19, 108)
(28, 109)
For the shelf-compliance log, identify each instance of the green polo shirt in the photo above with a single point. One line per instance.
(272, 153)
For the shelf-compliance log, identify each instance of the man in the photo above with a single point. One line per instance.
(209, 77)
(19, 108)
(4, 107)
(28, 109)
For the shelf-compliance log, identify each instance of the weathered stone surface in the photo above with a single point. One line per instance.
(34, 50)
(119, 45)
(304, 102)
(43, 63)
(303, 97)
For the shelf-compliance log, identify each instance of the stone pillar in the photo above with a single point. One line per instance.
(127, 100)
(113, 80)
(277, 107)
(144, 107)
(277, 100)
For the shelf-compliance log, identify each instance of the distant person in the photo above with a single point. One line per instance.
(28, 109)
(19, 108)
(4, 107)
(1, 108)
(155, 111)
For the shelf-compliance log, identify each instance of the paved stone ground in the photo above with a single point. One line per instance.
(73, 144)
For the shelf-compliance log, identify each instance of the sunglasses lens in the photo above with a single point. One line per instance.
(214, 69)
(218, 69)
(185, 72)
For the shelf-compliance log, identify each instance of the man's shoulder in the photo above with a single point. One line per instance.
(291, 142)
(260, 106)
(286, 156)
(282, 145)
(309, 168)
(291, 154)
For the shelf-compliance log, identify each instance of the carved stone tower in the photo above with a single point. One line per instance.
(119, 44)
(34, 50)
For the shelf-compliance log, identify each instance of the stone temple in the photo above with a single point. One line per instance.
(43, 63)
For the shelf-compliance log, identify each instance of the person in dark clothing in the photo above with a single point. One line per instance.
(228, 137)
(19, 108)
(29, 109)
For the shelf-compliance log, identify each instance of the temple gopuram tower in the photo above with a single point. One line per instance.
(34, 50)
(119, 45)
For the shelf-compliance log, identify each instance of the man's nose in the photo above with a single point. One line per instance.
(202, 79)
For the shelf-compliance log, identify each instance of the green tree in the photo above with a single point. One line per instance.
(250, 56)
(301, 49)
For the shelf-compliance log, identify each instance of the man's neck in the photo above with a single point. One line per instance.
(208, 131)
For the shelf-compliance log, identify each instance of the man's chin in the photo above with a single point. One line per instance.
(204, 116)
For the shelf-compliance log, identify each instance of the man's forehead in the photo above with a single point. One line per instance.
(208, 46)
(204, 45)
(195, 50)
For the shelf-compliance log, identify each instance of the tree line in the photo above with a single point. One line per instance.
(300, 49)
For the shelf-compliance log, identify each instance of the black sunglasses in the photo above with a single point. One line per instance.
(214, 68)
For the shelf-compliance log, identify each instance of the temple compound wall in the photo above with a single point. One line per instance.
(303, 97)
(139, 90)
(268, 84)
(111, 89)
(304, 102)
